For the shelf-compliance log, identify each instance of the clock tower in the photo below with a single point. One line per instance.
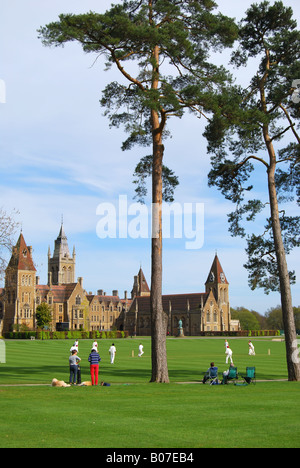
(61, 267)
(218, 284)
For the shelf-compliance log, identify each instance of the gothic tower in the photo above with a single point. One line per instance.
(20, 281)
(140, 286)
(61, 267)
(218, 284)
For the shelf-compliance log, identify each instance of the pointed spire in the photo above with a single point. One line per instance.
(143, 285)
(140, 285)
(216, 274)
(61, 244)
(21, 256)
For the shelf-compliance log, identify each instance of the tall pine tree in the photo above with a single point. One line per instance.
(259, 125)
(161, 50)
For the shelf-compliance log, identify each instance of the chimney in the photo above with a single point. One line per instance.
(37, 280)
(80, 280)
(115, 292)
(100, 292)
(125, 295)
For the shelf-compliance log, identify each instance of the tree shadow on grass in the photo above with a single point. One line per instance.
(31, 374)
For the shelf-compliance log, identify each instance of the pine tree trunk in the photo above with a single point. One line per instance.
(159, 319)
(285, 287)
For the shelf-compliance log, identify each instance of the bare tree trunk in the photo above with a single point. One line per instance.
(285, 287)
(159, 319)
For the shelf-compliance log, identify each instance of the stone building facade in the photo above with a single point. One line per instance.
(199, 312)
(76, 309)
(70, 304)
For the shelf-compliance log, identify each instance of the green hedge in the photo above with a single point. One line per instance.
(249, 333)
(65, 335)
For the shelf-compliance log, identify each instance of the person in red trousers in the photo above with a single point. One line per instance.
(94, 360)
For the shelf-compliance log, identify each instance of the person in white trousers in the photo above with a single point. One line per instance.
(141, 350)
(112, 351)
(251, 349)
(228, 353)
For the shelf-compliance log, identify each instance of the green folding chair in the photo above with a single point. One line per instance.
(250, 376)
(233, 375)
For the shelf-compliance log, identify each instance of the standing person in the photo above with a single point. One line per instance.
(141, 350)
(75, 346)
(251, 349)
(226, 344)
(228, 353)
(95, 345)
(73, 362)
(94, 360)
(112, 351)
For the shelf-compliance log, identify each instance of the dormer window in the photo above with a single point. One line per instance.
(25, 253)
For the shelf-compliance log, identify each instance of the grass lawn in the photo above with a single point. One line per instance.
(135, 414)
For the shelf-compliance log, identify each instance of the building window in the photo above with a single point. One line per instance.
(78, 300)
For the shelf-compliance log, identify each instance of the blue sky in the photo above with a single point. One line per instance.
(59, 157)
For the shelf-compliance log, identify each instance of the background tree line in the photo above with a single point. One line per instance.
(271, 320)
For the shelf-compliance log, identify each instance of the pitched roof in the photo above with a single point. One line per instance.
(21, 258)
(144, 288)
(102, 298)
(217, 271)
(60, 293)
(178, 302)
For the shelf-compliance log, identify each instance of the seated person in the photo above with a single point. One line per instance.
(226, 374)
(211, 371)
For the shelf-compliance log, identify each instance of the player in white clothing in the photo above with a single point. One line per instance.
(141, 350)
(251, 349)
(112, 351)
(228, 353)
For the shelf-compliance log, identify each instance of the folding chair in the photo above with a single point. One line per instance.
(250, 376)
(233, 375)
(211, 376)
